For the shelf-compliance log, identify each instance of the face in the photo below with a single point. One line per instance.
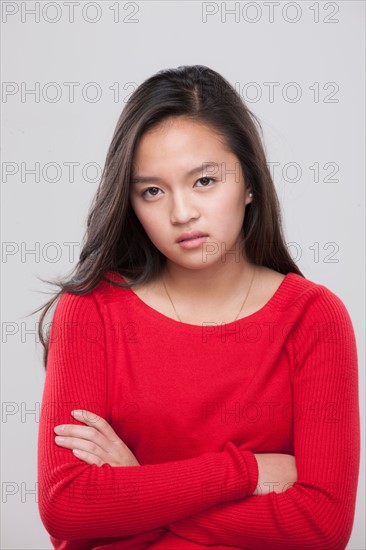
(170, 198)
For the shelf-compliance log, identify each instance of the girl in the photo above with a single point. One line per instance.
(217, 387)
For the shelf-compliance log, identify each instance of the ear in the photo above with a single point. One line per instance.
(248, 196)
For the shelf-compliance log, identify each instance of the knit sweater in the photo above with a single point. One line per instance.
(194, 403)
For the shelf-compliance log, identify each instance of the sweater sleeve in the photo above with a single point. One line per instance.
(317, 511)
(79, 500)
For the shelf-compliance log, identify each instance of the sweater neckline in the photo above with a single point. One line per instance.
(276, 297)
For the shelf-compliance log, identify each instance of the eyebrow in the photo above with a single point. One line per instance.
(148, 179)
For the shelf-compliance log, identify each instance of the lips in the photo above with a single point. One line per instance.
(189, 236)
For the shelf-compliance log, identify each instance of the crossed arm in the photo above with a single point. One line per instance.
(316, 511)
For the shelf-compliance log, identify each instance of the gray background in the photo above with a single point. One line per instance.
(316, 46)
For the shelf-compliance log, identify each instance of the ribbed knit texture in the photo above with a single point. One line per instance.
(193, 403)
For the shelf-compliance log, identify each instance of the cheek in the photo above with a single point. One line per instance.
(228, 214)
(151, 222)
(142, 214)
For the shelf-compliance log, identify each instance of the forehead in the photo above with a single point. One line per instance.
(179, 136)
(184, 148)
(181, 122)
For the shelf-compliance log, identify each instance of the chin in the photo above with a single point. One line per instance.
(194, 264)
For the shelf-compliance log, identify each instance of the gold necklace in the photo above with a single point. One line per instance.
(241, 307)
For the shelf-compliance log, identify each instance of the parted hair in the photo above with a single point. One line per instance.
(115, 240)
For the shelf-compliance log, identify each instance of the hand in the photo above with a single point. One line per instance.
(97, 443)
(277, 472)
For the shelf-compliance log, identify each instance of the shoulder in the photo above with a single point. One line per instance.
(310, 295)
(308, 306)
(318, 316)
(90, 304)
(322, 335)
(300, 293)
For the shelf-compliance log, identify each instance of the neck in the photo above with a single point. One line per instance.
(201, 285)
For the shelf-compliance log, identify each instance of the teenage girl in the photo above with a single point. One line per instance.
(217, 386)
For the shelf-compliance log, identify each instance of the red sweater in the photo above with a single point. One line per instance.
(193, 403)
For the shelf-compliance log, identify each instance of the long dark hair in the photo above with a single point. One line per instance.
(115, 240)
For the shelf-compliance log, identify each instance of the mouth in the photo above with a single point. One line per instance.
(190, 237)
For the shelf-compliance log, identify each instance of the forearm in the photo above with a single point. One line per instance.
(298, 519)
(76, 499)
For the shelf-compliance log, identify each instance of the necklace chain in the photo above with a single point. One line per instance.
(241, 307)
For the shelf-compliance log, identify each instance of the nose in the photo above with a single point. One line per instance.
(182, 209)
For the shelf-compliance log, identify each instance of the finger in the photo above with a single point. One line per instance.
(83, 434)
(97, 422)
(87, 457)
(90, 452)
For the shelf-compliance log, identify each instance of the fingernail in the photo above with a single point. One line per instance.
(59, 428)
(76, 413)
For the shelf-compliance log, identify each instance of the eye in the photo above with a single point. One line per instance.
(206, 178)
(144, 193)
(152, 191)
